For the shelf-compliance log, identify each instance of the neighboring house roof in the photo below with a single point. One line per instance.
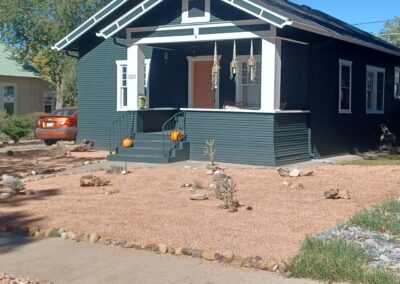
(298, 16)
(9, 67)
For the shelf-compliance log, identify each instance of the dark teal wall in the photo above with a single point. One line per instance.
(334, 133)
(245, 138)
(97, 86)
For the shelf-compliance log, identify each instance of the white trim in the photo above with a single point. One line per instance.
(349, 64)
(192, 59)
(120, 64)
(375, 71)
(324, 32)
(6, 84)
(95, 21)
(147, 63)
(196, 37)
(263, 9)
(397, 88)
(185, 13)
(244, 110)
(126, 23)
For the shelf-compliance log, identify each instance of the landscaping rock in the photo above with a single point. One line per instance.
(91, 180)
(196, 253)
(187, 251)
(151, 247)
(121, 243)
(162, 248)
(32, 230)
(94, 237)
(171, 250)
(248, 262)
(208, 255)
(268, 264)
(237, 261)
(331, 194)
(249, 208)
(29, 192)
(179, 251)
(71, 236)
(228, 255)
(186, 185)
(199, 196)
(64, 236)
(6, 194)
(52, 233)
(82, 238)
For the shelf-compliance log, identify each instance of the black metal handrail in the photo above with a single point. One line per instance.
(120, 128)
(175, 123)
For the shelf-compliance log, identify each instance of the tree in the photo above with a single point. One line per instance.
(31, 27)
(391, 32)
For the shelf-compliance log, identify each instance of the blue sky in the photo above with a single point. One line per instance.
(358, 11)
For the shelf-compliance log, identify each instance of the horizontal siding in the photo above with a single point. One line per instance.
(245, 138)
(97, 87)
(291, 138)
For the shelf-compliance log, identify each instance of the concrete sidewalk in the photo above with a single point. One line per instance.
(63, 261)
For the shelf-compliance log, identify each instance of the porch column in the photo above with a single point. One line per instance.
(270, 74)
(135, 75)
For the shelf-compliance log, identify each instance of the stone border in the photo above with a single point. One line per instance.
(228, 257)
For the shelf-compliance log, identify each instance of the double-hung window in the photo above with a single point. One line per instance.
(375, 89)
(195, 11)
(8, 97)
(345, 86)
(122, 86)
(248, 92)
(397, 82)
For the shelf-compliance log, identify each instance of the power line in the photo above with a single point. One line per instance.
(374, 22)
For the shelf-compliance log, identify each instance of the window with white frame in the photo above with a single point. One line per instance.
(8, 96)
(248, 92)
(48, 102)
(122, 87)
(375, 89)
(195, 11)
(345, 85)
(397, 82)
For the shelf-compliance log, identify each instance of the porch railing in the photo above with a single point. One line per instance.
(175, 123)
(120, 128)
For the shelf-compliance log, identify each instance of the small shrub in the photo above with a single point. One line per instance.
(61, 149)
(16, 127)
(197, 184)
(209, 150)
(13, 183)
(225, 190)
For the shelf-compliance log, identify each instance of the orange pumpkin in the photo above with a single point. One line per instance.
(127, 143)
(176, 136)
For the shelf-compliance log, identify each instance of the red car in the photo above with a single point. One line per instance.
(61, 124)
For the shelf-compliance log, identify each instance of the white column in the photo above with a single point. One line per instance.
(270, 74)
(135, 75)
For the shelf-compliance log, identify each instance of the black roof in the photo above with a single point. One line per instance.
(319, 20)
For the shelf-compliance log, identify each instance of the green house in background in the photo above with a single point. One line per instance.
(22, 90)
(270, 81)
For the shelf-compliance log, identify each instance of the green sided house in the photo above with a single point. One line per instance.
(270, 81)
(22, 90)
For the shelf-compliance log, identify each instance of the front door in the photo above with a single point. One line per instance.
(203, 95)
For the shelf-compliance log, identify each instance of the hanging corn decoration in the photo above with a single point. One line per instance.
(251, 64)
(215, 70)
(234, 64)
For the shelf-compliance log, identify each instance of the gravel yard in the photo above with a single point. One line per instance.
(150, 206)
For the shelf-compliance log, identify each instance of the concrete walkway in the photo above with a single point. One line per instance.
(63, 261)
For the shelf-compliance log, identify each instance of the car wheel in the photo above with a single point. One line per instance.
(49, 142)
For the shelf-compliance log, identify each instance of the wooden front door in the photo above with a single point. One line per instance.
(203, 95)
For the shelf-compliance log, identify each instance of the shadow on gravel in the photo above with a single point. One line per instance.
(18, 200)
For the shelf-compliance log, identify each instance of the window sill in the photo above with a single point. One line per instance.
(375, 112)
(344, 111)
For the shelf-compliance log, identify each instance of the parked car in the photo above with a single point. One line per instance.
(61, 124)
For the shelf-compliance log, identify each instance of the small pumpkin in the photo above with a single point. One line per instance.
(127, 143)
(176, 136)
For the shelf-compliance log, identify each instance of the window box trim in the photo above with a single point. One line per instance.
(349, 64)
(185, 13)
(375, 70)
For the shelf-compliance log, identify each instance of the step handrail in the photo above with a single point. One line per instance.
(120, 128)
(175, 122)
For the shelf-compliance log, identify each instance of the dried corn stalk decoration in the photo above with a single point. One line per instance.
(251, 64)
(234, 64)
(215, 70)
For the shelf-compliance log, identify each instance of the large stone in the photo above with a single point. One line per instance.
(237, 261)
(64, 235)
(196, 253)
(162, 248)
(171, 250)
(198, 196)
(268, 264)
(208, 255)
(52, 233)
(94, 237)
(151, 247)
(248, 262)
(71, 236)
(178, 251)
(32, 230)
(228, 255)
(187, 251)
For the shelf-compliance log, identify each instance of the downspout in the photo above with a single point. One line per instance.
(313, 48)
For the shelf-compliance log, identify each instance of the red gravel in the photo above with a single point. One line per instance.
(10, 279)
(152, 207)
